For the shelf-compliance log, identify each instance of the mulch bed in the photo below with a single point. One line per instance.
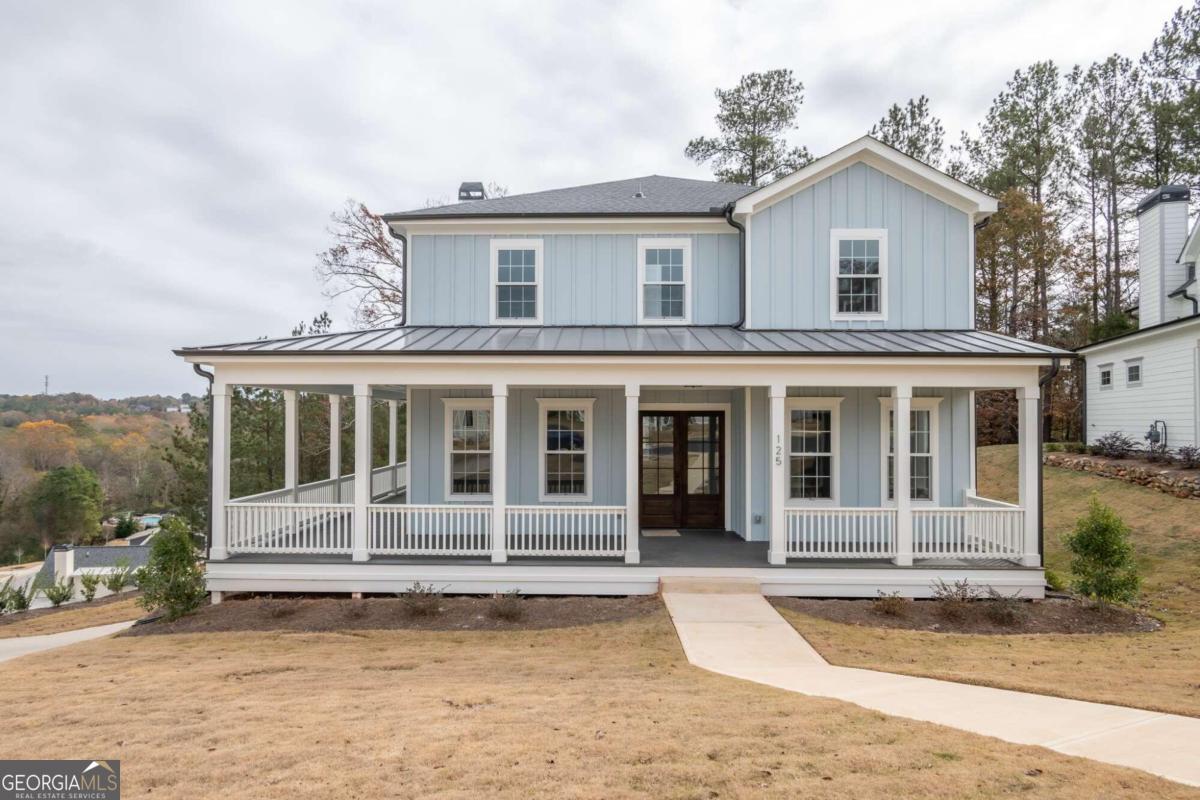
(25, 616)
(331, 614)
(1047, 616)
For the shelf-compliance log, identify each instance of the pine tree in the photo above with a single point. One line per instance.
(912, 130)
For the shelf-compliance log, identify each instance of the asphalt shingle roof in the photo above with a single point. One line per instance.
(660, 195)
(646, 340)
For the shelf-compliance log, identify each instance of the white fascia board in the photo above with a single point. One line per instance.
(887, 160)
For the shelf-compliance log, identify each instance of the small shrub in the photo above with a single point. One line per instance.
(1052, 447)
(1159, 454)
(119, 578)
(59, 593)
(1076, 448)
(1004, 609)
(172, 580)
(1189, 457)
(890, 605)
(1056, 581)
(507, 606)
(89, 582)
(1102, 560)
(421, 600)
(18, 598)
(126, 526)
(953, 599)
(1113, 445)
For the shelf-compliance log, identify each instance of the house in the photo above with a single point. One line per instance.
(1149, 380)
(605, 385)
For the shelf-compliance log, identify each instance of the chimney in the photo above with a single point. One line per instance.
(471, 190)
(1162, 229)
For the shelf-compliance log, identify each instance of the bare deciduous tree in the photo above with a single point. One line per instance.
(365, 262)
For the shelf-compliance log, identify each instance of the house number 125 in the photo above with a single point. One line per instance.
(778, 450)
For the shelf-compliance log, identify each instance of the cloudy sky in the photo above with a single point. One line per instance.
(167, 169)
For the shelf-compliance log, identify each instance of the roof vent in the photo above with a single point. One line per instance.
(471, 190)
(639, 194)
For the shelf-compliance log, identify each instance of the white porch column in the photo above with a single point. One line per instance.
(1030, 445)
(362, 469)
(220, 471)
(335, 445)
(633, 447)
(392, 444)
(499, 472)
(777, 549)
(901, 479)
(291, 441)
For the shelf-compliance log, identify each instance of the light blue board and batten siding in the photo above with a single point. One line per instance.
(929, 283)
(587, 279)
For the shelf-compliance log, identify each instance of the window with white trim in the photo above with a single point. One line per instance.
(1133, 372)
(922, 448)
(813, 449)
(1106, 376)
(565, 469)
(468, 448)
(664, 280)
(858, 273)
(516, 266)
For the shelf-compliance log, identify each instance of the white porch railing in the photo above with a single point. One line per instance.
(388, 479)
(385, 481)
(272, 527)
(841, 532)
(983, 529)
(452, 530)
(565, 530)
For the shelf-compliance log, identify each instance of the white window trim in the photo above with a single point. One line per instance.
(833, 405)
(547, 404)
(835, 236)
(537, 245)
(1111, 377)
(654, 243)
(930, 404)
(453, 404)
(1134, 362)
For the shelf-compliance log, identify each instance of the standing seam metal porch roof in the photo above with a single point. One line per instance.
(631, 340)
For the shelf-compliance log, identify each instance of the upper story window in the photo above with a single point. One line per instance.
(516, 281)
(664, 281)
(468, 448)
(1133, 372)
(1106, 371)
(858, 279)
(813, 449)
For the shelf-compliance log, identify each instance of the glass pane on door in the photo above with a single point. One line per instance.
(658, 454)
(703, 473)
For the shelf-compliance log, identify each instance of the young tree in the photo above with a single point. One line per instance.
(912, 130)
(66, 505)
(753, 118)
(365, 262)
(172, 580)
(188, 491)
(1102, 558)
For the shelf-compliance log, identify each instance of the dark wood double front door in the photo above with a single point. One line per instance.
(683, 469)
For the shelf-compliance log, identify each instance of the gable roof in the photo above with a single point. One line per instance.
(672, 340)
(885, 158)
(656, 195)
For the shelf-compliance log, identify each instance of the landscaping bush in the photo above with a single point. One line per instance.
(119, 578)
(1077, 448)
(1189, 457)
(953, 599)
(890, 605)
(1056, 581)
(88, 583)
(61, 592)
(1113, 445)
(17, 598)
(421, 600)
(126, 526)
(1102, 559)
(172, 579)
(1159, 454)
(1004, 609)
(1052, 447)
(507, 606)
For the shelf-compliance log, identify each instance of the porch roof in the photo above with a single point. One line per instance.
(628, 340)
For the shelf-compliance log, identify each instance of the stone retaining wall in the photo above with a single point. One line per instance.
(1178, 482)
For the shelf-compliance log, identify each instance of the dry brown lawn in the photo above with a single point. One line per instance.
(609, 710)
(70, 618)
(1159, 671)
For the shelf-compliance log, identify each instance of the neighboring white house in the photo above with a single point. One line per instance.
(603, 385)
(1151, 377)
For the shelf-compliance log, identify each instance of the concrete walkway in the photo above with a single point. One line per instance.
(732, 630)
(17, 646)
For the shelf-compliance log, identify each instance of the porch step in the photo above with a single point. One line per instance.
(683, 584)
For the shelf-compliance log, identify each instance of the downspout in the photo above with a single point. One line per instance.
(1195, 302)
(212, 506)
(1042, 382)
(404, 297)
(741, 229)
